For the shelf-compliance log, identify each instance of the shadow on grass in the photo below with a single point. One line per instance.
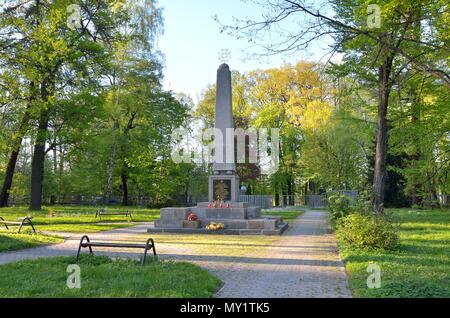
(230, 259)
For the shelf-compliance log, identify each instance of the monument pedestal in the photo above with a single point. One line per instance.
(224, 185)
(240, 219)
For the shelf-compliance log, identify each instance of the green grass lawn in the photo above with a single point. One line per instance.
(79, 219)
(103, 277)
(10, 241)
(420, 267)
(288, 216)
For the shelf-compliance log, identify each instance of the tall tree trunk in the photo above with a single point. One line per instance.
(433, 191)
(7, 183)
(123, 175)
(290, 190)
(60, 171)
(384, 90)
(415, 157)
(124, 188)
(112, 160)
(55, 157)
(37, 165)
(16, 145)
(415, 199)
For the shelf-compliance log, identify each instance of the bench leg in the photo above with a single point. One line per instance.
(153, 247)
(2, 219)
(145, 253)
(149, 245)
(27, 222)
(21, 225)
(32, 226)
(80, 246)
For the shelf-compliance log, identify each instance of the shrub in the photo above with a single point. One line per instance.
(362, 204)
(367, 231)
(339, 205)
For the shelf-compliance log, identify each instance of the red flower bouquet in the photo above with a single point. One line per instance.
(192, 217)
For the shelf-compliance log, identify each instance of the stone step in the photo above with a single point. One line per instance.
(278, 231)
(253, 224)
(227, 213)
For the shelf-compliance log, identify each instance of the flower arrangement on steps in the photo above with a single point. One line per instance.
(192, 221)
(213, 226)
(192, 217)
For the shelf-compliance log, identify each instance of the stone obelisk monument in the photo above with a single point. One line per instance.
(236, 217)
(224, 183)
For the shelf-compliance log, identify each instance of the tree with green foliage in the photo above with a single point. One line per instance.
(412, 36)
(85, 89)
(54, 61)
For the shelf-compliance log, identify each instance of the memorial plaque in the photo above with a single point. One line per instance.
(222, 188)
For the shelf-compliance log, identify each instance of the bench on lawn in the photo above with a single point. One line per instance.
(23, 221)
(101, 212)
(86, 243)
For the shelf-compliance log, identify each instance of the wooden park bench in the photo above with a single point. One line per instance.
(86, 243)
(23, 221)
(101, 212)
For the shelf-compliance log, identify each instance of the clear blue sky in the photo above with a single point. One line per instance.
(192, 40)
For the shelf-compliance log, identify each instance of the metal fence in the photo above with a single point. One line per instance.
(268, 201)
(316, 201)
(321, 201)
(263, 201)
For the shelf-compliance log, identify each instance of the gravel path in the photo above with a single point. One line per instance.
(302, 263)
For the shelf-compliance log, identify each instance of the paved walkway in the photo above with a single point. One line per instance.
(302, 263)
(70, 246)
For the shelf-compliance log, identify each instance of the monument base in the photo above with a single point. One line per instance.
(239, 219)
